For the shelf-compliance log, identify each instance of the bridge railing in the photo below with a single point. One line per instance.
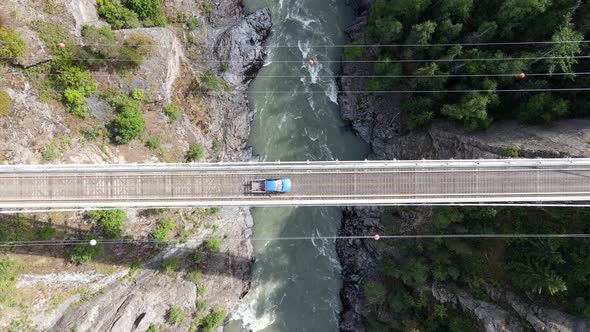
(297, 165)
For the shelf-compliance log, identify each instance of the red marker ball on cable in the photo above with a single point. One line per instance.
(521, 76)
(61, 45)
(376, 237)
(311, 62)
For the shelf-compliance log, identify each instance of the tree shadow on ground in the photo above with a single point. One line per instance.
(15, 229)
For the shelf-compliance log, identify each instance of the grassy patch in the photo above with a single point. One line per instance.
(511, 151)
(10, 270)
(85, 252)
(212, 82)
(129, 122)
(216, 145)
(56, 148)
(195, 276)
(171, 112)
(175, 316)
(4, 103)
(205, 8)
(192, 24)
(92, 133)
(110, 222)
(213, 320)
(152, 143)
(52, 34)
(163, 229)
(213, 243)
(11, 45)
(17, 228)
(171, 264)
(195, 152)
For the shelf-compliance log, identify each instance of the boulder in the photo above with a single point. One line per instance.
(240, 47)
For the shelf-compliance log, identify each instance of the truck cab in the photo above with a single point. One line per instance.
(271, 186)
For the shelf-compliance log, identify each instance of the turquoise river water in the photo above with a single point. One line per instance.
(296, 284)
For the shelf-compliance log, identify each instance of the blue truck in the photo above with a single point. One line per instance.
(271, 186)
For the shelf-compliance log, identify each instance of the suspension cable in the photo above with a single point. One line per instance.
(339, 61)
(372, 76)
(517, 43)
(375, 237)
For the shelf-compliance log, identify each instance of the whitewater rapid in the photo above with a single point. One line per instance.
(295, 284)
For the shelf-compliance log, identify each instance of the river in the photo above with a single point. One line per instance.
(296, 284)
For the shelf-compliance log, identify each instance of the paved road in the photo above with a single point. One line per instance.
(322, 183)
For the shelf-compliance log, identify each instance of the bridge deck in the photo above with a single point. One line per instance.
(313, 183)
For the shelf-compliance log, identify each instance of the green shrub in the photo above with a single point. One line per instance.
(205, 8)
(136, 265)
(354, 52)
(128, 14)
(46, 233)
(211, 211)
(92, 133)
(216, 145)
(171, 264)
(212, 82)
(195, 152)
(153, 328)
(77, 84)
(152, 143)
(11, 45)
(144, 8)
(137, 94)
(171, 112)
(16, 228)
(223, 67)
(117, 15)
(213, 320)
(213, 243)
(4, 103)
(511, 151)
(110, 221)
(542, 108)
(50, 153)
(10, 270)
(197, 257)
(129, 123)
(416, 112)
(195, 276)
(163, 229)
(85, 252)
(192, 24)
(101, 45)
(443, 217)
(375, 292)
(175, 316)
(75, 102)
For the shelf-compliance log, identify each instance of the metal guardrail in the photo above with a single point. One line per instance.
(296, 165)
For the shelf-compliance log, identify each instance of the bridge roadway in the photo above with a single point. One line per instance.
(314, 183)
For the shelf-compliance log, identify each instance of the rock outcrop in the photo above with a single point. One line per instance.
(493, 317)
(240, 47)
(159, 71)
(540, 318)
(360, 263)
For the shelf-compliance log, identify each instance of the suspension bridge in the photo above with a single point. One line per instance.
(336, 183)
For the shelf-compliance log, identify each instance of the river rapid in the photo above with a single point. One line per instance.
(296, 284)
